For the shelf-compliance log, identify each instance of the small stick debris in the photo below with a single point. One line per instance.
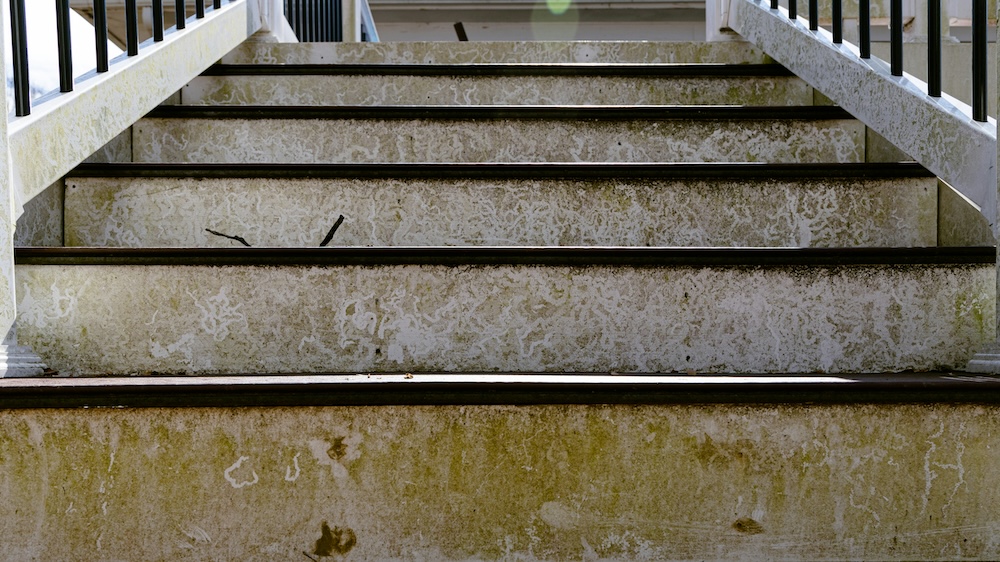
(237, 238)
(329, 235)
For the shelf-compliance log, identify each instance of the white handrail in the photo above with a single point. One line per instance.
(937, 132)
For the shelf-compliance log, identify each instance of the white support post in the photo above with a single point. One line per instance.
(351, 12)
(988, 360)
(15, 360)
(717, 22)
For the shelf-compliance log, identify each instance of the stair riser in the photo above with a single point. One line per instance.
(501, 483)
(415, 140)
(135, 212)
(450, 90)
(238, 319)
(426, 52)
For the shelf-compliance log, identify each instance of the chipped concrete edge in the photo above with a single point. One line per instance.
(939, 133)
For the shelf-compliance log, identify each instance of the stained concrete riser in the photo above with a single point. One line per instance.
(713, 482)
(135, 212)
(481, 140)
(199, 319)
(506, 90)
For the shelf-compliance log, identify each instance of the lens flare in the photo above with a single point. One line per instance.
(558, 7)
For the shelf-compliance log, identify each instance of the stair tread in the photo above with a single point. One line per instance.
(571, 256)
(445, 112)
(576, 170)
(495, 388)
(502, 69)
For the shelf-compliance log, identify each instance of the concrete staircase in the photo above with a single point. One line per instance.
(496, 225)
(615, 215)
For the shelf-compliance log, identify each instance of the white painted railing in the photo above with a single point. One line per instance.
(940, 133)
(40, 148)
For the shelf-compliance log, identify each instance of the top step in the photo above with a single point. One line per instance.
(607, 52)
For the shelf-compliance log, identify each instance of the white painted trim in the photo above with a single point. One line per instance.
(61, 133)
(937, 132)
(717, 22)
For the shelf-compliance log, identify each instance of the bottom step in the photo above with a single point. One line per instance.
(500, 309)
(542, 482)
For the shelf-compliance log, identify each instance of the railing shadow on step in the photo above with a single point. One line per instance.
(953, 140)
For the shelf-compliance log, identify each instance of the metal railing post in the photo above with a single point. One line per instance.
(19, 42)
(180, 14)
(131, 28)
(934, 48)
(157, 20)
(838, 21)
(101, 34)
(865, 28)
(896, 37)
(65, 46)
(979, 47)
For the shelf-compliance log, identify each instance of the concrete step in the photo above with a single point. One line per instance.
(551, 52)
(383, 468)
(511, 204)
(232, 134)
(497, 84)
(249, 310)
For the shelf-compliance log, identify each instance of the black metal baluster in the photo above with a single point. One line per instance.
(216, 4)
(813, 15)
(101, 34)
(180, 13)
(65, 46)
(896, 37)
(315, 20)
(199, 9)
(774, 4)
(838, 22)
(793, 9)
(934, 48)
(979, 82)
(324, 21)
(157, 20)
(131, 28)
(865, 28)
(19, 41)
(338, 20)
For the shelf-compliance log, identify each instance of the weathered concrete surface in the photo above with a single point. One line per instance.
(41, 224)
(62, 133)
(239, 319)
(501, 483)
(959, 222)
(937, 132)
(427, 52)
(500, 140)
(391, 212)
(487, 90)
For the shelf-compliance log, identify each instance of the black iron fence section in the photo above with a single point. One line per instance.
(19, 40)
(979, 42)
(316, 20)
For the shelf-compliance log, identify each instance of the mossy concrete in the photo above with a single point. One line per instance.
(719, 482)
